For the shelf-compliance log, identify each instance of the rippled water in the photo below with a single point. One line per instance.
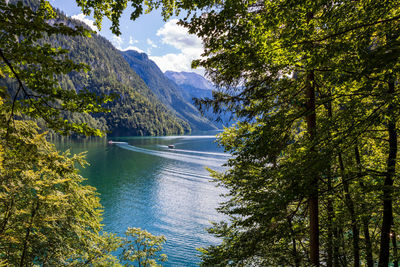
(144, 184)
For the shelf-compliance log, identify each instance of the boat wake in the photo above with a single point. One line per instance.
(204, 161)
(203, 152)
(219, 154)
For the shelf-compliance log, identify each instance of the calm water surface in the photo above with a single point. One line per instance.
(144, 184)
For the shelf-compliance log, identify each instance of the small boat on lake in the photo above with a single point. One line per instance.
(111, 142)
(171, 146)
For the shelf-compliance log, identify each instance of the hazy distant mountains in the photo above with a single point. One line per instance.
(190, 79)
(191, 84)
(194, 85)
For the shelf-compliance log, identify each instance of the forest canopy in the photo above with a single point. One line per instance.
(314, 178)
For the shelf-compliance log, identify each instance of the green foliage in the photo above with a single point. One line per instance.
(35, 66)
(136, 110)
(267, 60)
(314, 82)
(74, 92)
(169, 94)
(316, 86)
(47, 216)
(142, 247)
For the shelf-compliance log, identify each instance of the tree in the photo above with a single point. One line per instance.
(45, 209)
(35, 67)
(315, 84)
(326, 60)
(142, 247)
(313, 81)
(47, 215)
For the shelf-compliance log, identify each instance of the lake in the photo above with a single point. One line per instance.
(142, 183)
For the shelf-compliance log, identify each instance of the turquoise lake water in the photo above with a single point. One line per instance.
(142, 183)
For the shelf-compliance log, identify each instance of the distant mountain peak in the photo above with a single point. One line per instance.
(189, 78)
(170, 93)
(136, 54)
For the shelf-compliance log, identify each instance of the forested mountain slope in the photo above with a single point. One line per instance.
(168, 92)
(136, 111)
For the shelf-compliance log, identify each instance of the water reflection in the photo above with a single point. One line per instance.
(142, 184)
(201, 160)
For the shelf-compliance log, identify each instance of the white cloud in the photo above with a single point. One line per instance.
(86, 20)
(178, 36)
(132, 41)
(190, 47)
(131, 47)
(151, 43)
(117, 41)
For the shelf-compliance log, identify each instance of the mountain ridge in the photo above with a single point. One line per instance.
(167, 91)
(194, 85)
(189, 78)
(137, 111)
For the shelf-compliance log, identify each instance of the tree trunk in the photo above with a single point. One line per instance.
(313, 198)
(343, 257)
(336, 252)
(388, 186)
(394, 243)
(35, 207)
(368, 244)
(350, 205)
(330, 211)
(365, 218)
(297, 260)
(7, 216)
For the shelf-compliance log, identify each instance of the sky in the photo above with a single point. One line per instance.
(166, 43)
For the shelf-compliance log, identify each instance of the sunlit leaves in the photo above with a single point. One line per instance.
(35, 67)
(142, 247)
(46, 215)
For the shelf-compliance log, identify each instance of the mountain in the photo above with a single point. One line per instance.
(193, 85)
(190, 79)
(137, 111)
(168, 92)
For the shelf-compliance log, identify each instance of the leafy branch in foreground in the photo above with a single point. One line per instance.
(313, 82)
(47, 215)
(142, 247)
(35, 68)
